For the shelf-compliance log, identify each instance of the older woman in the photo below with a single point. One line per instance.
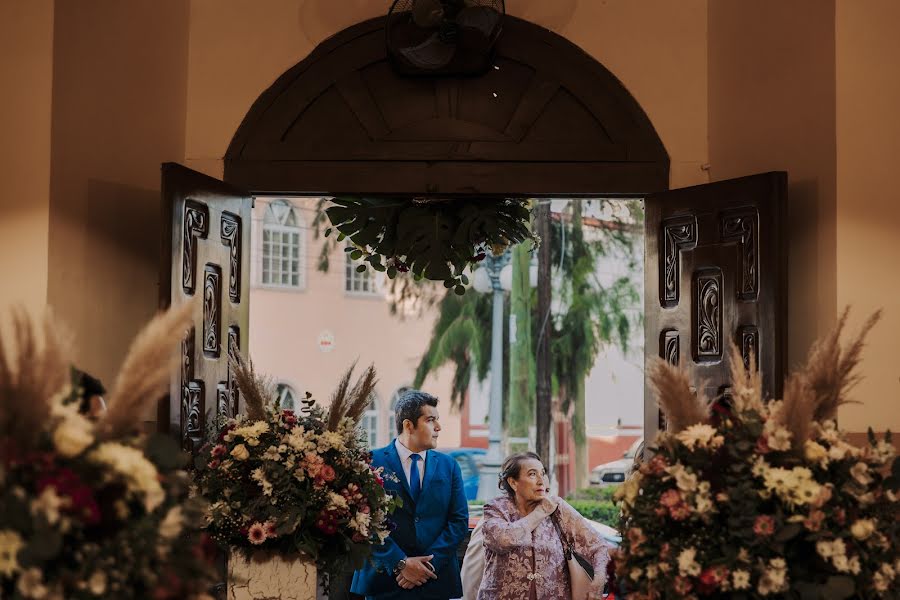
(524, 556)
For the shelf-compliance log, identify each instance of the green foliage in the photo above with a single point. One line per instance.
(432, 239)
(598, 494)
(461, 338)
(602, 512)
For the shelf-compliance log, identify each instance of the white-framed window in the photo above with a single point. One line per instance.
(283, 247)
(288, 397)
(369, 423)
(367, 283)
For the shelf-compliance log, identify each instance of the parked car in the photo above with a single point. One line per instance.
(469, 460)
(616, 471)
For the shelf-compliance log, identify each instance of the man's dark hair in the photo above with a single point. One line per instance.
(409, 406)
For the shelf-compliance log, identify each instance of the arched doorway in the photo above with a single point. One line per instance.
(547, 119)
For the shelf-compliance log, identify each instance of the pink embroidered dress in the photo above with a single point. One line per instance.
(524, 556)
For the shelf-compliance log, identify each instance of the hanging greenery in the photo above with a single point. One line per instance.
(433, 239)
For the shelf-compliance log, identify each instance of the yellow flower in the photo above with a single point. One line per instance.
(815, 453)
(10, 544)
(240, 452)
(862, 528)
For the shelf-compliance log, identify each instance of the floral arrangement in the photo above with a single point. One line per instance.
(433, 238)
(296, 482)
(759, 499)
(94, 509)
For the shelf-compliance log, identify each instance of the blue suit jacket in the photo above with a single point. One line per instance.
(436, 524)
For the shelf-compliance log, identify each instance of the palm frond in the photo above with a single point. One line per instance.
(672, 388)
(145, 372)
(33, 370)
(257, 390)
(831, 371)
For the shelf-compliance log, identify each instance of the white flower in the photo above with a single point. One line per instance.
(272, 454)
(97, 583)
(860, 472)
(73, 435)
(779, 438)
(740, 579)
(687, 565)
(862, 528)
(251, 432)
(700, 436)
(240, 452)
(31, 584)
(825, 549)
(10, 544)
(48, 505)
(139, 473)
(259, 475)
(652, 571)
(170, 527)
(815, 453)
(337, 500)
(686, 481)
(841, 563)
(855, 567)
(635, 573)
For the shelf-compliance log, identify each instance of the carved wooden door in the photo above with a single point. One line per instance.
(206, 255)
(715, 272)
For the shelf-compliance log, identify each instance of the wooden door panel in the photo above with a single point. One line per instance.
(206, 253)
(715, 273)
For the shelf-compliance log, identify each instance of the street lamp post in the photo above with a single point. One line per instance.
(489, 471)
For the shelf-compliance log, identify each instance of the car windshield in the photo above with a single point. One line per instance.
(632, 450)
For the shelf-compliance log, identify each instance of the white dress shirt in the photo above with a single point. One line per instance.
(405, 460)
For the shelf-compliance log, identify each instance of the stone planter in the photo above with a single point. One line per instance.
(270, 576)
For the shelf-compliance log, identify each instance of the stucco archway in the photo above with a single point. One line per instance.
(548, 119)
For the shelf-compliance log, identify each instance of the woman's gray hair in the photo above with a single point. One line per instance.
(512, 467)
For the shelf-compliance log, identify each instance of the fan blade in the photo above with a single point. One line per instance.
(430, 54)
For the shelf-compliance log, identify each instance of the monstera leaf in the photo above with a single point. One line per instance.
(433, 239)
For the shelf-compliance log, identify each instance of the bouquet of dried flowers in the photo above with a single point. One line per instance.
(93, 509)
(751, 498)
(295, 482)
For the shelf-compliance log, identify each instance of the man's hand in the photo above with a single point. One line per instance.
(417, 571)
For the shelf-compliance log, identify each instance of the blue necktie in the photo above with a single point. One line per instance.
(415, 485)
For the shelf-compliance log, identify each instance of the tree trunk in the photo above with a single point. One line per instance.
(579, 432)
(543, 416)
(521, 357)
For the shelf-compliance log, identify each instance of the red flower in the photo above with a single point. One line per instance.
(327, 473)
(764, 525)
(762, 445)
(682, 585)
(680, 511)
(219, 450)
(670, 498)
(256, 534)
(214, 463)
(82, 503)
(270, 529)
(711, 578)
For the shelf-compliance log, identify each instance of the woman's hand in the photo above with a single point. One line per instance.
(549, 505)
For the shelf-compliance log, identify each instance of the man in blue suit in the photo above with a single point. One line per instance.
(418, 560)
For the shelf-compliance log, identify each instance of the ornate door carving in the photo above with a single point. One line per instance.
(206, 252)
(715, 272)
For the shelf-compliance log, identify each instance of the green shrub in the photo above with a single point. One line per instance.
(597, 494)
(600, 511)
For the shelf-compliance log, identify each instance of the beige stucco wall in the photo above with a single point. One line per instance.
(742, 86)
(771, 108)
(868, 198)
(119, 89)
(26, 69)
